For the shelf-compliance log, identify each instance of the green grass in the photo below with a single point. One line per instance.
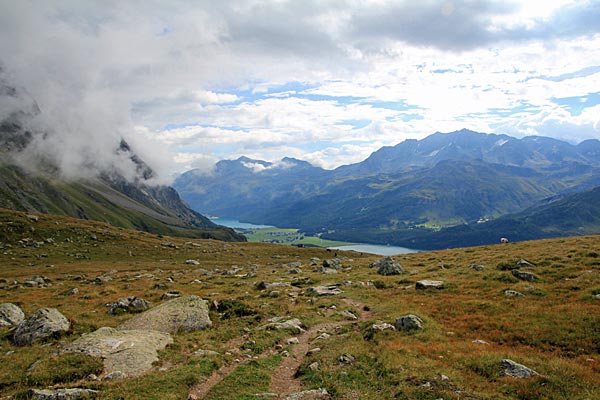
(552, 329)
(289, 236)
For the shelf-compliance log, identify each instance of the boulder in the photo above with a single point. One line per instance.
(10, 314)
(128, 304)
(61, 394)
(516, 370)
(41, 325)
(324, 290)
(187, 313)
(429, 284)
(524, 276)
(387, 266)
(408, 323)
(131, 352)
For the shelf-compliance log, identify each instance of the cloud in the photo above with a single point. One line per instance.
(195, 81)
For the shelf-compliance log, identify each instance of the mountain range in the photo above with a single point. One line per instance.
(412, 194)
(108, 196)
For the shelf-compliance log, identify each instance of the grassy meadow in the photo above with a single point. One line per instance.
(554, 328)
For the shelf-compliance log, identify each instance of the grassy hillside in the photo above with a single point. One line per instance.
(553, 328)
(97, 200)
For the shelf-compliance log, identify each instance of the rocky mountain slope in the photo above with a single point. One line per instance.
(410, 189)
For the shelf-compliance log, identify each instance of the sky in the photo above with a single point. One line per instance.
(188, 83)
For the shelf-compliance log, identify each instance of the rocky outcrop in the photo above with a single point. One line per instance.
(387, 266)
(187, 313)
(516, 370)
(10, 314)
(130, 352)
(41, 325)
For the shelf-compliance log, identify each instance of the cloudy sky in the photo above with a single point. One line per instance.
(191, 82)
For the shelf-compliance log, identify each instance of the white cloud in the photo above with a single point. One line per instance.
(328, 82)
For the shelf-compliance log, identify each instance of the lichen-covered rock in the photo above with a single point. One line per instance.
(131, 352)
(10, 314)
(387, 266)
(41, 325)
(334, 263)
(408, 323)
(516, 370)
(187, 313)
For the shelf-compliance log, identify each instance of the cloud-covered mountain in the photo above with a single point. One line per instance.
(444, 180)
(117, 187)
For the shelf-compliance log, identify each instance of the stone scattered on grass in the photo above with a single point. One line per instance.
(513, 293)
(130, 304)
(315, 394)
(525, 263)
(130, 352)
(387, 266)
(477, 267)
(191, 262)
(408, 322)
(334, 263)
(45, 323)
(429, 284)
(61, 394)
(346, 358)
(524, 276)
(294, 325)
(324, 290)
(516, 370)
(186, 313)
(382, 326)
(348, 315)
(10, 314)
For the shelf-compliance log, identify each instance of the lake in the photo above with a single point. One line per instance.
(381, 250)
(378, 249)
(233, 223)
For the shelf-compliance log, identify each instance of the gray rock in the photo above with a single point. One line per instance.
(382, 326)
(325, 270)
(61, 394)
(103, 279)
(524, 276)
(115, 376)
(294, 325)
(348, 315)
(205, 353)
(10, 314)
(408, 323)
(387, 266)
(187, 313)
(128, 304)
(170, 295)
(324, 290)
(72, 292)
(334, 263)
(130, 352)
(479, 341)
(477, 267)
(192, 262)
(41, 325)
(33, 218)
(525, 263)
(516, 370)
(429, 284)
(346, 358)
(314, 366)
(513, 293)
(315, 394)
